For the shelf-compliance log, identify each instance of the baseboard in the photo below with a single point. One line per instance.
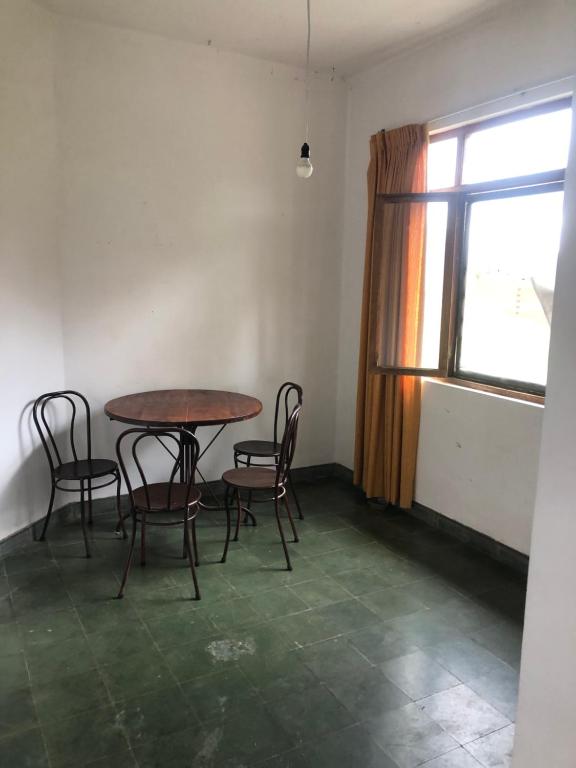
(494, 549)
(314, 473)
(479, 541)
(27, 534)
(20, 538)
(343, 473)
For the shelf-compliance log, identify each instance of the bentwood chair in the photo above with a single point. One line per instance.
(270, 482)
(246, 451)
(167, 503)
(79, 473)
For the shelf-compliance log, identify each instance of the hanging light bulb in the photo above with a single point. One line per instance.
(304, 167)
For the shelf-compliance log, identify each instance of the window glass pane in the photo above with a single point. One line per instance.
(436, 222)
(511, 265)
(407, 296)
(518, 148)
(442, 163)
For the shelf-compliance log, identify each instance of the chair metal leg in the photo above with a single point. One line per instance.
(296, 500)
(143, 540)
(296, 539)
(239, 506)
(250, 516)
(277, 509)
(249, 504)
(130, 555)
(90, 502)
(191, 557)
(120, 525)
(48, 514)
(195, 543)
(228, 524)
(83, 518)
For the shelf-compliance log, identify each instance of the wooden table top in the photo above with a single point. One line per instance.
(198, 407)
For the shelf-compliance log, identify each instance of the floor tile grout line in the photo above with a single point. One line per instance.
(29, 677)
(314, 738)
(264, 619)
(305, 743)
(112, 703)
(100, 675)
(102, 678)
(174, 678)
(481, 738)
(462, 745)
(34, 704)
(423, 649)
(358, 598)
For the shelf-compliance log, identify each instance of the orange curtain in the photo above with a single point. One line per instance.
(388, 405)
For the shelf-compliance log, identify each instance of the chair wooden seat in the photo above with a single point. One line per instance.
(259, 448)
(251, 478)
(158, 495)
(85, 468)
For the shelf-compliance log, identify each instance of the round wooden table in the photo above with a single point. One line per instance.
(183, 407)
(190, 408)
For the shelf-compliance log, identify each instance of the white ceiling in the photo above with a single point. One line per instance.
(346, 34)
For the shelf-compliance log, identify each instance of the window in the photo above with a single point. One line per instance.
(493, 223)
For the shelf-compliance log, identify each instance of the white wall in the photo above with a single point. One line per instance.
(545, 734)
(477, 460)
(182, 225)
(192, 256)
(526, 44)
(31, 333)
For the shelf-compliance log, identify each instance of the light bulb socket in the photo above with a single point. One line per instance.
(305, 151)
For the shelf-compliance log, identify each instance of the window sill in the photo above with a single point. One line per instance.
(492, 390)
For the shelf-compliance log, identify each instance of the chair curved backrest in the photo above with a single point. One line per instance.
(77, 402)
(288, 446)
(287, 394)
(178, 440)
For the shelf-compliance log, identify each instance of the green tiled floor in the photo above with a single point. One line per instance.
(388, 646)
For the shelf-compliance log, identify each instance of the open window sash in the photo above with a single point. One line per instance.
(412, 321)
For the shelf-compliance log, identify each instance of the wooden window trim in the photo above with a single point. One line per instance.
(459, 197)
(514, 394)
(521, 113)
(447, 317)
(496, 385)
(514, 182)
